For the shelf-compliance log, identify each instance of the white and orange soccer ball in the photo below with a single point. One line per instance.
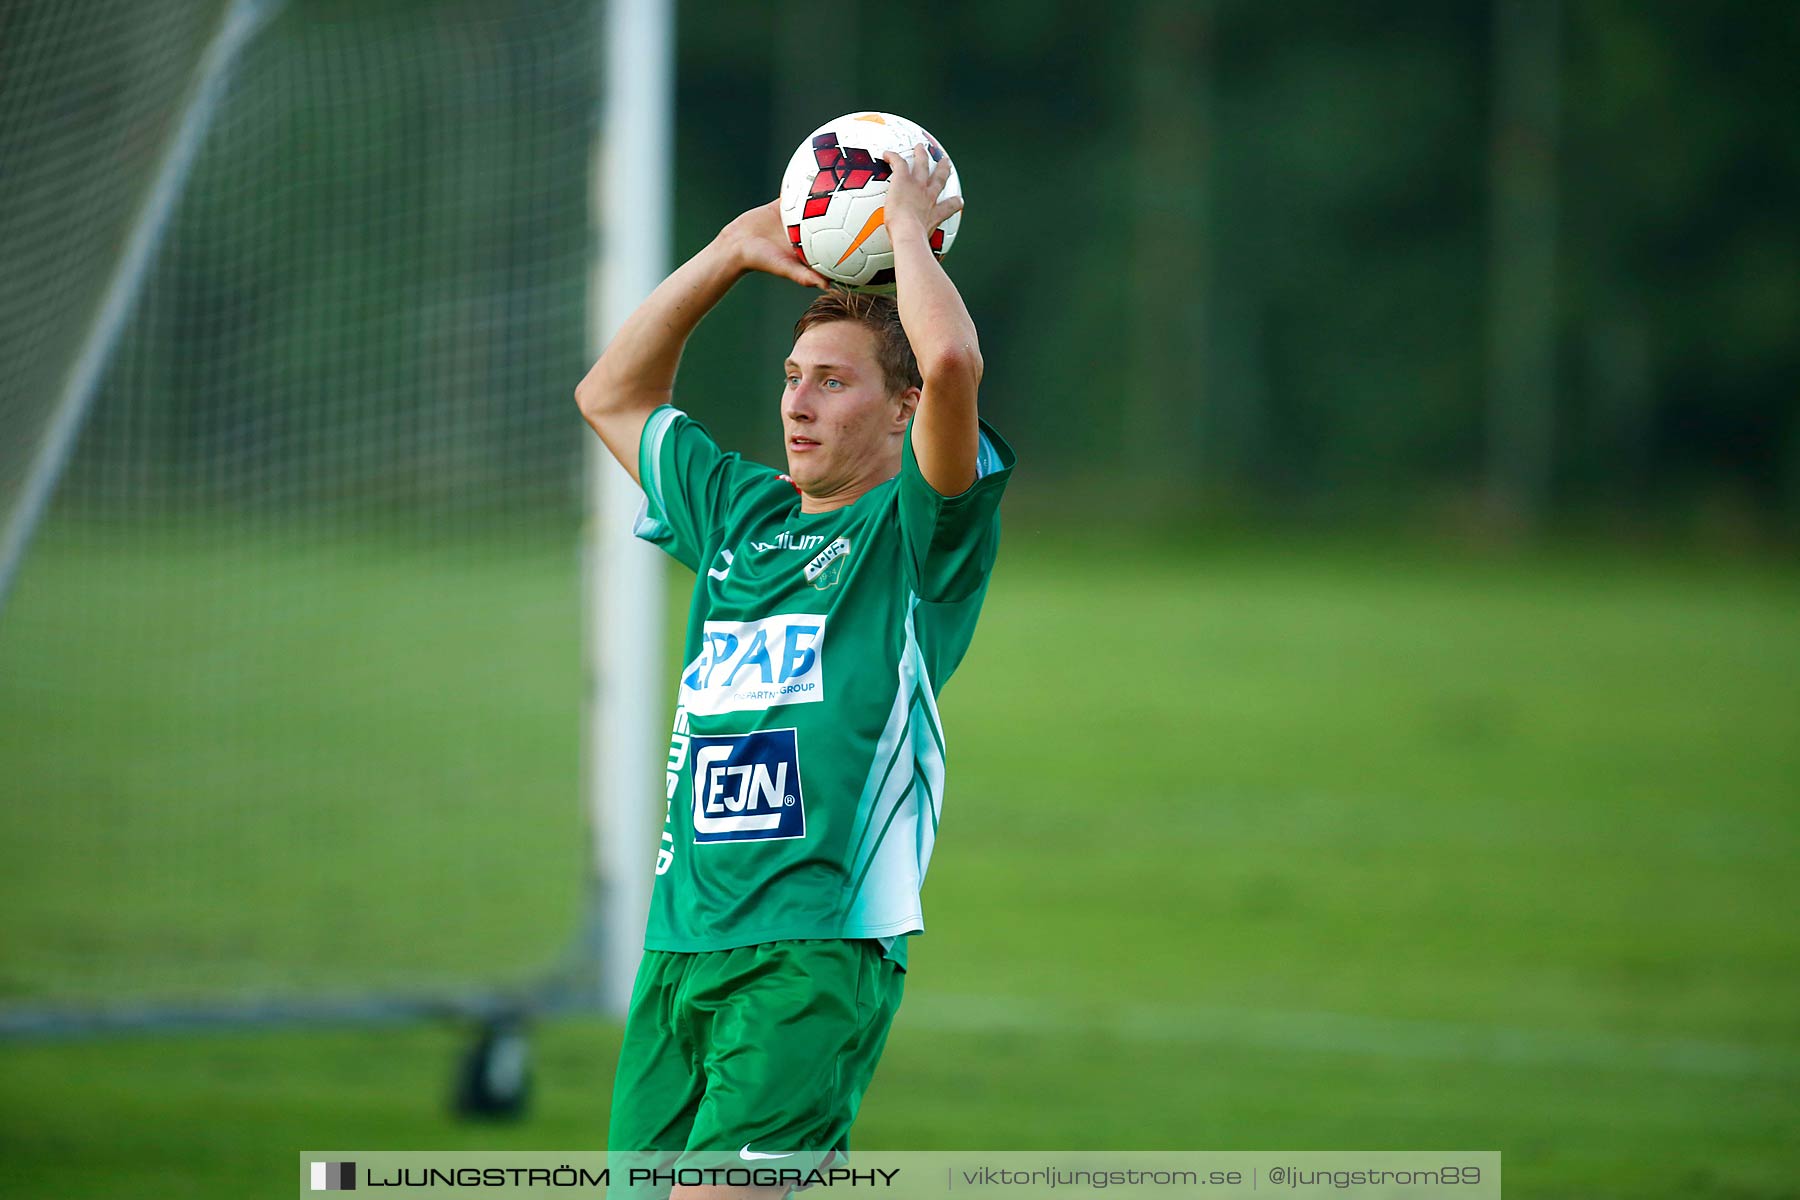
(832, 194)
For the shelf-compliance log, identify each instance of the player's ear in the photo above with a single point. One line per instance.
(907, 403)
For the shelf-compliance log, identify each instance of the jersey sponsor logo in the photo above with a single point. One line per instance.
(825, 569)
(680, 741)
(788, 540)
(747, 787)
(745, 666)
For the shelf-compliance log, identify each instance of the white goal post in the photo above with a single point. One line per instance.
(625, 607)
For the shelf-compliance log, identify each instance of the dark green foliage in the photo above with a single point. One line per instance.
(1326, 342)
(1239, 253)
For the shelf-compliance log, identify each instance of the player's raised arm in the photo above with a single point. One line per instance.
(636, 373)
(945, 434)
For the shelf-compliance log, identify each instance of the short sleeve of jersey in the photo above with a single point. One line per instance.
(951, 541)
(688, 484)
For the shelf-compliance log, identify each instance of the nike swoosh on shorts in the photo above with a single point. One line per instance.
(750, 1155)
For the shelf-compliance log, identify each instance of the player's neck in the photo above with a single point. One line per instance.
(844, 496)
(829, 501)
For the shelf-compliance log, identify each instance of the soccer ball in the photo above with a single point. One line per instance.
(831, 198)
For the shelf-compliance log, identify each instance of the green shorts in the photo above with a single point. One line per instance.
(764, 1047)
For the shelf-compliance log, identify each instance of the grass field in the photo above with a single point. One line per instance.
(1280, 846)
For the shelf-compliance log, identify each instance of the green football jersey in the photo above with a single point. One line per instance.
(806, 764)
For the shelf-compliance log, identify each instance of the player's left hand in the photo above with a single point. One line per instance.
(912, 200)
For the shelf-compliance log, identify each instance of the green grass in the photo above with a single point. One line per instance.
(1290, 846)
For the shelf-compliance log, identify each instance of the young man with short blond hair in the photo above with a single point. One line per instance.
(806, 766)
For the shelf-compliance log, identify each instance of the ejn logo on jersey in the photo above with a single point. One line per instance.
(747, 787)
(752, 665)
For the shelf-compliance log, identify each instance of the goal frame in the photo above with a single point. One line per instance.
(623, 605)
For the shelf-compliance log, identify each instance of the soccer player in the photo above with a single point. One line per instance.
(806, 766)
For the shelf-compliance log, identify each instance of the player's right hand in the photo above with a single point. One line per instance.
(759, 243)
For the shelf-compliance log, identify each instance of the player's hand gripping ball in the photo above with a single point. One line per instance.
(832, 192)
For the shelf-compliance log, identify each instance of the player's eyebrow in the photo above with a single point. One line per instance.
(838, 368)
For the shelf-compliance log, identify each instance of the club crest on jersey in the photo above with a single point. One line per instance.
(747, 787)
(825, 570)
(746, 666)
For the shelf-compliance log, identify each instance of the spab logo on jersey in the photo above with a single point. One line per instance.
(748, 665)
(747, 787)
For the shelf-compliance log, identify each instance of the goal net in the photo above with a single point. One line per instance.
(290, 672)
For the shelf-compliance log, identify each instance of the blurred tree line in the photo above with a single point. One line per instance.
(1516, 258)
(1505, 260)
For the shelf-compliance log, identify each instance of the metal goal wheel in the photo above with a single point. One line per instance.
(493, 1081)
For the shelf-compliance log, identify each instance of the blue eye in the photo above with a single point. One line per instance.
(834, 383)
